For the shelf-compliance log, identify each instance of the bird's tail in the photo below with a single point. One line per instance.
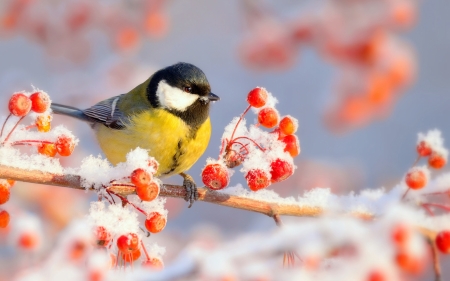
(70, 111)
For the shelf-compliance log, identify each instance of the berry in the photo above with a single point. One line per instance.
(103, 236)
(257, 97)
(408, 262)
(376, 275)
(443, 241)
(232, 158)
(131, 257)
(149, 192)
(215, 176)
(48, 149)
(416, 178)
(153, 263)
(400, 235)
(4, 219)
(128, 243)
(4, 193)
(19, 104)
(257, 179)
(423, 149)
(268, 117)
(43, 123)
(288, 125)
(28, 241)
(155, 222)
(436, 160)
(280, 170)
(140, 178)
(292, 145)
(40, 102)
(154, 164)
(65, 145)
(77, 250)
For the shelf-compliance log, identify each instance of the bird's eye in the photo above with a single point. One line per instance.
(187, 89)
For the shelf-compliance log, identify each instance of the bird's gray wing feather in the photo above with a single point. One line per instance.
(107, 113)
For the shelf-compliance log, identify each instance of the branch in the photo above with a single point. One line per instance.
(167, 190)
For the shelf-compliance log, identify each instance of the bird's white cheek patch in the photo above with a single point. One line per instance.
(174, 98)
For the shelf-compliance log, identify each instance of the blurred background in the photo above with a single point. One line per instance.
(362, 76)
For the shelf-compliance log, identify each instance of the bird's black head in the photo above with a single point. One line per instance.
(183, 90)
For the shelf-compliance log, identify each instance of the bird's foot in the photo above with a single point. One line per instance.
(191, 189)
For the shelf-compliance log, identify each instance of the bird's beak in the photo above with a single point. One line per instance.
(212, 97)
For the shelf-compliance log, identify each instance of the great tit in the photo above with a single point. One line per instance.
(168, 114)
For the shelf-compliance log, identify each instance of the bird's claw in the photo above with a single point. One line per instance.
(191, 190)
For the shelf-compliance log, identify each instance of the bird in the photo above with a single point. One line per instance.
(168, 115)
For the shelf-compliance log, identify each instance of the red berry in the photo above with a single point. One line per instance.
(43, 123)
(77, 250)
(215, 176)
(48, 149)
(4, 193)
(257, 179)
(4, 219)
(103, 236)
(65, 145)
(288, 125)
(436, 160)
(40, 102)
(408, 263)
(423, 148)
(280, 170)
(376, 275)
(128, 243)
(28, 240)
(149, 192)
(131, 257)
(257, 97)
(268, 117)
(400, 235)
(11, 182)
(153, 263)
(140, 178)
(155, 222)
(154, 164)
(292, 145)
(443, 241)
(416, 178)
(232, 158)
(19, 104)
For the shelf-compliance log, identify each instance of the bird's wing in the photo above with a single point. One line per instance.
(107, 113)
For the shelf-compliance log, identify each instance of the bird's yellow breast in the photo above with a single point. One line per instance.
(168, 138)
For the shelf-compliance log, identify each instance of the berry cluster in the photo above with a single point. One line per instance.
(37, 105)
(266, 157)
(358, 37)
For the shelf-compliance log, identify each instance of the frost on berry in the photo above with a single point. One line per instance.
(257, 179)
(103, 237)
(257, 97)
(437, 159)
(288, 125)
(268, 117)
(19, 104)
(292, 145)
(153, 263)
(443, 241)
(215, 176)
(128, 243)
(423, 149)
(155, 222)
(417, 177)
(40, 102)
(42, 123)
(65, 145)
(47, 149)
(280, 170)
(140, 178)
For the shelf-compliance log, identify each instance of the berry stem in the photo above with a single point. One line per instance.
(125, 200)
(12, 130)
(428, 209)
(4, 124)
(145, 250)
(30, 142)
(406, 192)
(417, 160)
(239, 121)
(29, 127)
(247, 138)
(444, 207)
